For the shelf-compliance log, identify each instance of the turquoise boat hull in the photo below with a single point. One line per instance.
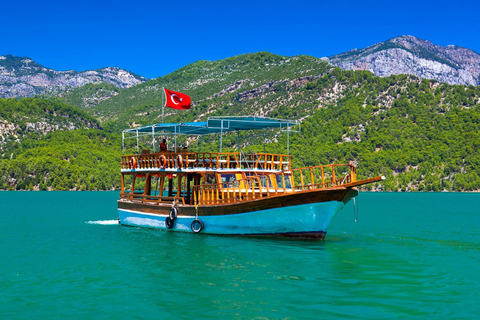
(306, 220)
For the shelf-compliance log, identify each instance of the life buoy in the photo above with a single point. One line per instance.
(162, 162)
(173, 213)
(197, 226)
(169, 223)
(133, 162)
(179, 161)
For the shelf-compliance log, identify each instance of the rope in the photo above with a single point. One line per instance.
(196, 204)
(355, 207)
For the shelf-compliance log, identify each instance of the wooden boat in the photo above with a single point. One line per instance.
(232, 193)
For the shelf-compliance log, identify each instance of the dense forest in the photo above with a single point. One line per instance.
(421, 134)
(426, 139)
(48, 145)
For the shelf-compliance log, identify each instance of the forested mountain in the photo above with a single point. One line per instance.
(213, 84)
(51, 145)
(421, 134)
(86, 96)
(33, 118)
(23, 77)
(410, 55)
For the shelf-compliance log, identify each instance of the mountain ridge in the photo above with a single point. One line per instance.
(23, 77)
(410, 55)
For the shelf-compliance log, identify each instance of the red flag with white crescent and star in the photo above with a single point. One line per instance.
(177, 100)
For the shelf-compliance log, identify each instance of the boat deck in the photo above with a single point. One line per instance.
(257, 186)
(205, 160)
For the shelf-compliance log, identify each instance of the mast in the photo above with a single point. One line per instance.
(264, 140)
(153, 138)
(163, 105)
(221, 136)
(288, 139)
(123, 142)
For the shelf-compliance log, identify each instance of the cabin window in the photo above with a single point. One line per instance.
(228, 177)
(140, 182)
(210, 179)
(288, 184)
(156, 183)
(171, 185)
(127, 183)
(263, 181)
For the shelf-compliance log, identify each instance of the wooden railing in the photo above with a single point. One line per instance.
(259, 186)
(319, 177)
(150, 198)
(236, 190)
(186, 160)
(267, 161)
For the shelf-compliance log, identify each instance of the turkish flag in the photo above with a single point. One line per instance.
(177, 100)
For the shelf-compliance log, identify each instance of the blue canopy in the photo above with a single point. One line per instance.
(248, 123)
(176, 128)
(216, 125)
(213, 125)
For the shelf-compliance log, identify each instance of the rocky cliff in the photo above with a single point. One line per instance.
(411, 55)
(23, 77)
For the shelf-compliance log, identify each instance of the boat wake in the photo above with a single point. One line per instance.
(103, 222)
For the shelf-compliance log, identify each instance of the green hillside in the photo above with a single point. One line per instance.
(64, 160)
(85, 96)
(51, 145)
(30, 118)
(212, 85)
(422, 135)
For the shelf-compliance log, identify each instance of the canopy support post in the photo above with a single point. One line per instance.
(137, 140)
(123, 142)
(238, 139)
(175, 139)
(264, 140)
(153, 139)
(221, 136)
(288, 140)
(163, 105)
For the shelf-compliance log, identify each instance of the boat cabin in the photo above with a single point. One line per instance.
(159, 176)
(209, 178)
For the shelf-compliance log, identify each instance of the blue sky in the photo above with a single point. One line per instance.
(154, 38)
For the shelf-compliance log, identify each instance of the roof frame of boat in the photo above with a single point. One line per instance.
(214, 125)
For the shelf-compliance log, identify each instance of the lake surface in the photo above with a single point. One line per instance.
(409, 255)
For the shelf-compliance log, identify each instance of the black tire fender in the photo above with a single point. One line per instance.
(173, 213)
(196, 226)
(169, 223)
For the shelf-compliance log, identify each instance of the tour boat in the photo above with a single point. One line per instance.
(230, 193)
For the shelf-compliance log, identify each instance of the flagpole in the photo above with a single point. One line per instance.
(163, 105)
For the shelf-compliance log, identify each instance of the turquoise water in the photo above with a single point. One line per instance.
(411, 256)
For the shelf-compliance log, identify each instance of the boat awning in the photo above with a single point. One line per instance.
(217, 125)
(176, 128)
(249, 123)
(214, 125)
